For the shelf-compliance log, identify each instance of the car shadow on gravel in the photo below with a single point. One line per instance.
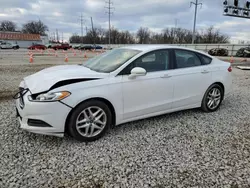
(164, 121)
(143, 123)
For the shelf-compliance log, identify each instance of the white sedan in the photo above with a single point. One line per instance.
(119, 86)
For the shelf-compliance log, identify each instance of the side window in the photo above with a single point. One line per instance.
(151, 62)
(149, 58)
(154, 61)
(185, 58)
(205, 59)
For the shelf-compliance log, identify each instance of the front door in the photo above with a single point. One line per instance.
(149, 94)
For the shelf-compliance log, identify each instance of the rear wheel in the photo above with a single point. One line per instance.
(212, 98)
(89, 121)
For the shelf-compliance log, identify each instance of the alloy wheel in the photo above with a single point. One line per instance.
(213, 98)
(91, 121)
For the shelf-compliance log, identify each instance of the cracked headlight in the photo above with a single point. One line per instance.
(51, 96)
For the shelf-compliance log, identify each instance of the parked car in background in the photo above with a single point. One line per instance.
(90, 47)
(77, 46)
(61, 47)
(86, 47)
(218, 52)
(37, 46)
(98, 47)
(243, 52)
(8, 45)
(50, 45)
(119, 86)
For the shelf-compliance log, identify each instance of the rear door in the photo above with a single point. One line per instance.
(192, 76)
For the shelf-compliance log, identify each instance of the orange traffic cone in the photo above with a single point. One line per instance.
(66, 58)
(31, 58)
(85, 56)
(231, 59)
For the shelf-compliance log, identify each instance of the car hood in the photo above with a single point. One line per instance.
(45, 79)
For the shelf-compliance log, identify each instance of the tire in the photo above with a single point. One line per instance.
(83, 134)
(207, 105)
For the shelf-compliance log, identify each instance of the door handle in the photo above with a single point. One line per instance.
(205, 71)
(166, 76)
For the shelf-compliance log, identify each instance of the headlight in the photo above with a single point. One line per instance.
(52, 96)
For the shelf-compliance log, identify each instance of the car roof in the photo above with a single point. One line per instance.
(150, 47)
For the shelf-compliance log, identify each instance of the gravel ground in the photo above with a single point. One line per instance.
(183, 149)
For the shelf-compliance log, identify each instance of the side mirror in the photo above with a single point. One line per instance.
(137, 71)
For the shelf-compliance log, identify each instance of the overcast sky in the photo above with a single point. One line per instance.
(64, 15)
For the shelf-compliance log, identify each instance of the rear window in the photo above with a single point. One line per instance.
(205, 59)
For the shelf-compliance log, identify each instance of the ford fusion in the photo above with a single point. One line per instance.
(119, 86)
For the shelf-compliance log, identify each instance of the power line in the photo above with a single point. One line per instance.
(195, 14)
(109, 12)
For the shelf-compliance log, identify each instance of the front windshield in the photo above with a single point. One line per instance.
(111, 60)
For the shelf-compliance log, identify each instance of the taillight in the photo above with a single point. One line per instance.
(230, 69)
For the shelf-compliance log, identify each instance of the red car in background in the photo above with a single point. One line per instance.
(62, 47)
(37, 46)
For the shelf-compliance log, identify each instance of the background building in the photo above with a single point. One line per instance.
(22, 39)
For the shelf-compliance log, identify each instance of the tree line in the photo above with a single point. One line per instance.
(31, 27)
(145, 36)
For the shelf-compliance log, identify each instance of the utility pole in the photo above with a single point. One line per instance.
(195, 14)
(86, 30)
(175, 28)
(81, 20)
(57, 37)
(54, 34)
(93, 30)
(109, 12)
(176, 22)
(62, 37)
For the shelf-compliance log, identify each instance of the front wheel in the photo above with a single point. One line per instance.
(212, 98)
(89, 121)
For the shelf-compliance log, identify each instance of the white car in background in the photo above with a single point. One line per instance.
(8, 45)
(119, 86)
